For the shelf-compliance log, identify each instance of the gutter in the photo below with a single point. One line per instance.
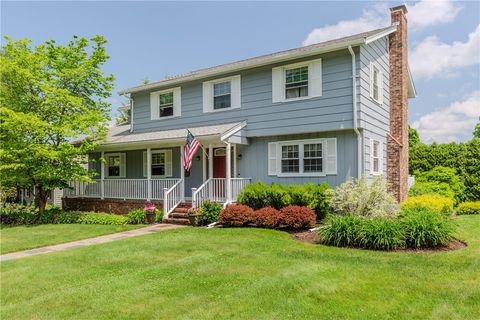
(355, 115)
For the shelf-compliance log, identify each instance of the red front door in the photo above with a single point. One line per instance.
(219, 166)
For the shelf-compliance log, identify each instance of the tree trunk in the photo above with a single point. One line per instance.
(40, 199)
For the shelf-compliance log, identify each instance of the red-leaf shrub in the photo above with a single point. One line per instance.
(267, 217)
(236, 215)
(298, 217)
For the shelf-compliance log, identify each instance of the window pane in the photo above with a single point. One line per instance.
(312, 165)
(375, 165)
(296, 83)
(221, 102)
(220, 89)
(158, 170)
(375, 149)
(166, 111)
(114, 161)
(290, 161)
(158, 158)
(290, 165)
(166, 98)
(289, 152)
(296, 75)
(312, 150)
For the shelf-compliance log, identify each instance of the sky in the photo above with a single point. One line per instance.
(151, 40)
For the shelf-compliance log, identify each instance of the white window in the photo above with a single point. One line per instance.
(315, 157)
(376, 157)
(222, 94)
(161, 166)
(165, 104)
(297, 81)
(376, 83)
(115, 164)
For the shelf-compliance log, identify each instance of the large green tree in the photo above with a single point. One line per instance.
(476, 131)
(51, 95)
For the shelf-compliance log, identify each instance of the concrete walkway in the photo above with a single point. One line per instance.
(88, 242)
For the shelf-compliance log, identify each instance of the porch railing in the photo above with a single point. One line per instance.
(215, 189)
(173, 196)
(120, 188)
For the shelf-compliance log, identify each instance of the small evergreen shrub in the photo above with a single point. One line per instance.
(435, 202)
(236, 215)
(298, 217)
(359, 198)
(426, 228)
(267, 218)
(469, 208)
(137, 216)
(211, 211)
(103, 218)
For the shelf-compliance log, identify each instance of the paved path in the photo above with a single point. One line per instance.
(88, 242)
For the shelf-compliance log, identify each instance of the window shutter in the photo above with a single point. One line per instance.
(277, 85)
(380, 157)
(380, 87)
(331, 156)
(154, 106)
(272, 159)
(236, 92)
(371, 156)
(371, 80)
(145, 164)
(315, 78)
(123, 165)
(177, 102)
(168, 163)
(207, 97)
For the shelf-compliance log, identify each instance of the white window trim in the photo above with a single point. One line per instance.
(374, 66)
(155, 104)
(300, 144)
(380, 158)
(122, 156)
(166, 161)
(235, 94)
(312, 81)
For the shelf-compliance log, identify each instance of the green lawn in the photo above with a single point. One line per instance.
(195, 273)
(16, 238)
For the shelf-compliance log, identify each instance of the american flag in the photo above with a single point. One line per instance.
(191, 148)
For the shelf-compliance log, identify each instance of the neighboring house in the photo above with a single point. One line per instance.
(324, 112)
(28, 196)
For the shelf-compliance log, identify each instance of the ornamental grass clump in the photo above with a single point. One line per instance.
(358, 197)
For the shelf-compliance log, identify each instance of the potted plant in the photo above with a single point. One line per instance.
(195, 216)
(150, 210)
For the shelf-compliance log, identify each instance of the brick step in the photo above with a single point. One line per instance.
(179, 215)
(176, 221)
(181, 209)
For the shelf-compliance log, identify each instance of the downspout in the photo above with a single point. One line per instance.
(355, 116)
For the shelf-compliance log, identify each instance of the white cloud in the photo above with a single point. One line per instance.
(452, 123)
(420, 15)
(432, 57)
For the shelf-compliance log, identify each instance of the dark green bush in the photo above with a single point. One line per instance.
(67, 217)
(137, 216)
(381, 234)
(211, 211)
(426, 228)
(255, 195)
(159, 216)
(440, 180)
(469, 208)
(103, 218)
(50, 215)
(12, 213)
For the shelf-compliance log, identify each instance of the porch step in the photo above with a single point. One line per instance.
(181, 210)
(184, 205)
(179, 215)
(176, 221)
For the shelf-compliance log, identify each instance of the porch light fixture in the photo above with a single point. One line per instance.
(197, 158)
(239, 157)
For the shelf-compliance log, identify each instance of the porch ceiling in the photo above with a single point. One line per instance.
(121, 135)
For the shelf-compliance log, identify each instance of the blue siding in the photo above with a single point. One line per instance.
(331, 111)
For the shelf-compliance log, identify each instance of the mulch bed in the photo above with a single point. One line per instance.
(312, 237)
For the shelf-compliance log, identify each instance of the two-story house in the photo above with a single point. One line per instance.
(324, 112)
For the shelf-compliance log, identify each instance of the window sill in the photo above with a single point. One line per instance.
(165, 118)
(293, 175)
(296, 99)
(221, 110)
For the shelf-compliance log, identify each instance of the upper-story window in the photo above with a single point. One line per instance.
(376, 83)
(297, 81)
(165, 104)
(222, 94)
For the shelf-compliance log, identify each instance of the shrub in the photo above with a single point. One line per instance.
(443, 181)
(429, 201)
(298, 217)
(102, 218)
(211, 211)
(267, 218)
(12, 213)
(50, 215)
(431, 187)
(67, 217)
(380, 234)
(159, 216)
(426, 228)
(469, 208)
(340, 231)
(236, 215)
(313, 196)
(255, 195)
(357, 197)
(137, 216)
(278, 196)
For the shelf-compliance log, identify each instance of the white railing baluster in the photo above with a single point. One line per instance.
(172, 197)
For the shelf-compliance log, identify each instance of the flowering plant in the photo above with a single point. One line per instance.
(149, 207)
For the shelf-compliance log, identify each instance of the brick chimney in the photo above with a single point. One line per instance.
(397, 146)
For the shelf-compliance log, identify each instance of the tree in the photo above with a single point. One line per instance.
(476, 132)
(53, 111)
(413, 137)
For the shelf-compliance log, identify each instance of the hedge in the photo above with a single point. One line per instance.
(468, 208)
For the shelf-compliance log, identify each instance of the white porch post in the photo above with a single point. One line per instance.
(149, 174)
(234, 161)
(102, 177)
(228, 174)
(182, 173)
(204, 166)
(210, 161)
